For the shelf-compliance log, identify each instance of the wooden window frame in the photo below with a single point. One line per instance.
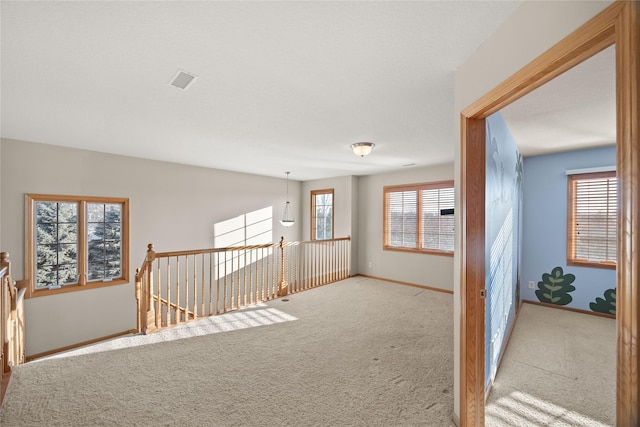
(83, 283)
(313, 224)
(571, 220)
(419, 188)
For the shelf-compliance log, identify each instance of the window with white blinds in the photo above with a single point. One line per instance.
(419, 217)
(592, 220)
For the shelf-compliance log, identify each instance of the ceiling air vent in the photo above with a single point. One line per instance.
(182, 80)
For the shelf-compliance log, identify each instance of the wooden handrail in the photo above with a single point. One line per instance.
(242, 248)
(205, 282)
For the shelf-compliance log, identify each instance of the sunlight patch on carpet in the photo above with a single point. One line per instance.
(249, 317)
(519, 408)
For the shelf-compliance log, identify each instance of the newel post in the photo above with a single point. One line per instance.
(4, 262)
(13, 296)
(283, 287)
(148, 288)
(4, 305)
(141, 320)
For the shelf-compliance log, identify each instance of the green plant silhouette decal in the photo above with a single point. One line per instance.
(555, 287)
(606, 305)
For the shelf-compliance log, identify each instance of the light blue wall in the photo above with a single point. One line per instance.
(502, 243)
(545, 224)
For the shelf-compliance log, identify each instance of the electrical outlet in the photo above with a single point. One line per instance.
(532, 284)
(370, 264)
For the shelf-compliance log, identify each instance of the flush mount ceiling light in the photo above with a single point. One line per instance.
(287, 217)
(183, 80)
(362, 148)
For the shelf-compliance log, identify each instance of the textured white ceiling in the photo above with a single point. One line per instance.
(575, 110)
(282, 86)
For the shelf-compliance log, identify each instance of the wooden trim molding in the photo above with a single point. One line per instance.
(565, 308)
(418, 188)
(628, 169)
(472, 276)
(312, 211)
(618, 24)
(82, 282)
(398, 282)
(78, 345)
(572, 203)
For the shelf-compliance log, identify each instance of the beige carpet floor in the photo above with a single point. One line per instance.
(559, 370)
(355, 353)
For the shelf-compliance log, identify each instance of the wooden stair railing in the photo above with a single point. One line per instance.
(11, 322)
(175, 287)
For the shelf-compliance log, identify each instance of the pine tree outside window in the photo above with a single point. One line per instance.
(75, 243)
(322, 214)
(419, 218)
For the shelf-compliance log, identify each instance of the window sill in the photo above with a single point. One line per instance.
(35, 293)
(419, 251)
(592, 264)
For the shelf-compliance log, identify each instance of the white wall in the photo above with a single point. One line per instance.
(422, 269)
(172, 206)
(532, 29)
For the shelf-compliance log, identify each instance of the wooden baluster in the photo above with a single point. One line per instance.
(210, 284)
(178, 318)
(307, 269)
(347, 255)
(202, 312)
(318, 264)
(186, 288)
(217, 282)
(337, 251)
(139, 322)
(340, 260)
(349, 259)
(251, 266)
(270, 273)
(343, 261)
(151, 255)
(334, 261)
(239, 284)
(315, 264)
(293, 285)
(4, 312)
(170, 309)
(225, 282)
(159, 297)
(263, 274)
(304, 266)
(244, 268)
(327, 262)
(233, 284)
(194, 306)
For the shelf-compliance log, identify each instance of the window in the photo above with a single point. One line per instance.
(592, 220)
(419, 218)
(322, 214)
(75, 243)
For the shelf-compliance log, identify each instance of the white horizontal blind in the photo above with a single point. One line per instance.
(595, 218)
(402, 224)
(437, 229)
(414, 217)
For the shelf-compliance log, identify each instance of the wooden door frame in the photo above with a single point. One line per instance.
(619, 24)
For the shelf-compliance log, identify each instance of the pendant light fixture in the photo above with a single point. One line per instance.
(287, 217)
